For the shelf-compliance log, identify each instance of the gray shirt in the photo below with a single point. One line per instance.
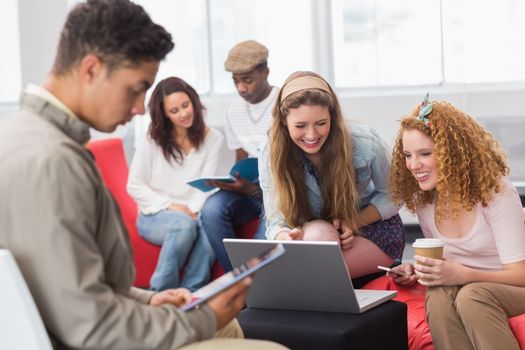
(66, 234)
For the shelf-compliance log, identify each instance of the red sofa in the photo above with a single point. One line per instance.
(110, 159)
(419, 337)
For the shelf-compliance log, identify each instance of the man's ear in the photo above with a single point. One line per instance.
(91, 66)
(266, 72)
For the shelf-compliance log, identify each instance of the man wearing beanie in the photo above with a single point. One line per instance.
(248, 119)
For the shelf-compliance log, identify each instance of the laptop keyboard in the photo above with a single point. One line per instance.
(361, 298)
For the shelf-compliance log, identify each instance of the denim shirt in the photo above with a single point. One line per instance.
(371, 159)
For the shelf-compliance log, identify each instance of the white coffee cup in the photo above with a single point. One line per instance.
(429, 247)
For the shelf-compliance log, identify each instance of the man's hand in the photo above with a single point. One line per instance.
(227, 304)
(240, 186)
(177, 297)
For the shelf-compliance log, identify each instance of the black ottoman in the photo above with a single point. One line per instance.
(383, 327)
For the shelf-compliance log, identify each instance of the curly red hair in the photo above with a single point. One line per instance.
(470, 162)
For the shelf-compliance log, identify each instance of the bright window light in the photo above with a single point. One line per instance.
(186, 21)
(427, 42)
(386, 42)
(11, 81)
(484, 41)
(289, 40)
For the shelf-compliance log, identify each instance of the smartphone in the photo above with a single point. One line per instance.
(249, 267)
(388, 269)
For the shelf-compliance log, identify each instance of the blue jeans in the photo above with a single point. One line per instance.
(182, 242)
(221, 212)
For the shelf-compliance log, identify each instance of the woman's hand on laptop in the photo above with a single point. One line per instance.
(228, 303)
(295, 234)
(177, 297)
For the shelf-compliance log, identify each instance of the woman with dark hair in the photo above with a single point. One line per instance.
(179, 147)
(323, 179)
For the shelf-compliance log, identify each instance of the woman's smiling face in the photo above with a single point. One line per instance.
(420, 158)
(309, 127)
(179, 109)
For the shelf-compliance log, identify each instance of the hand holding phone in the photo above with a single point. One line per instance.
(388, 269)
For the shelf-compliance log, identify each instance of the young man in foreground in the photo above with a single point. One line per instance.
(57, 217)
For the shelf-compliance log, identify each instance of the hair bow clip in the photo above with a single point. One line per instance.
(424, 111)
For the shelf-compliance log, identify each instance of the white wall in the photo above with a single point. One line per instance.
(39, 23)
(383, 109)
(498, 107)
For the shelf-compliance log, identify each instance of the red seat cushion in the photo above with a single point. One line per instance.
(419, 337)
(110, 159)
(517, 324)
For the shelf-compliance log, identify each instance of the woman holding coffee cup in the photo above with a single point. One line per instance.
(451, 172)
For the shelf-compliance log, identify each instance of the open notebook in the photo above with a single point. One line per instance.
(311, 276)
(246, 168)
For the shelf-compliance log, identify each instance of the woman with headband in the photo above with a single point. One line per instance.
(325, 180)
(451, 172)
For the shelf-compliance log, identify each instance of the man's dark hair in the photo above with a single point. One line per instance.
(261, 66)
(117, 31)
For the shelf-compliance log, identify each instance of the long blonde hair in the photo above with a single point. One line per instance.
(337, 180)
(470, 162)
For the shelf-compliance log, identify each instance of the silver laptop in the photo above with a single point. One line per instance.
(310, 276)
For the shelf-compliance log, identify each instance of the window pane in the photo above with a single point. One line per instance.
(11, 81)
(186, 21)
(289, 40)
(484, 41)
(385, 42)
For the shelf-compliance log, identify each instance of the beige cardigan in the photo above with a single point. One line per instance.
(66, 233)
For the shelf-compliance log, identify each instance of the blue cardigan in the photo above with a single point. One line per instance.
(371, 157)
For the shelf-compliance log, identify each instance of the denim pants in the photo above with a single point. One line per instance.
(221, 212)
(183, 246)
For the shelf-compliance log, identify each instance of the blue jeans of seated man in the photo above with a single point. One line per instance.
(221, 212)
(182, 242)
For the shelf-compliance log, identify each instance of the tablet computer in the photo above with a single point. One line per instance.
(228, 279)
